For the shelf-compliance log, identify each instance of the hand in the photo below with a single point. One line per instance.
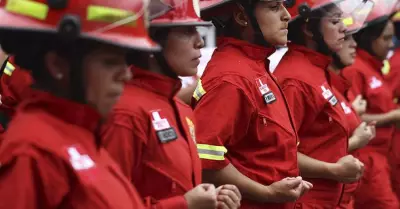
(359, 105)
(203, 196)
(349, 169)
(228, 197)
(287, 190)
(363, 134)
(306, 187)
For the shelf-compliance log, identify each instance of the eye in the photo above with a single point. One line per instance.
(276, 6)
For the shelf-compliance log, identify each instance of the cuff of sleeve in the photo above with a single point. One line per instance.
(174, 202)
(214, 164)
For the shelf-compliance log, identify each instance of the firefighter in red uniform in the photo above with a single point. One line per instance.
(374, 42)
(316, 32)
(151, 132)
(51, 155)
(362, 132)
(391, 75)
(246, 135)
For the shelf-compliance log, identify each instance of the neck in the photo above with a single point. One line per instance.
(334, 68)
(154, 66)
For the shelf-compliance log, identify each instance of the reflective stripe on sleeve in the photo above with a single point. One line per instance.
(211, 152)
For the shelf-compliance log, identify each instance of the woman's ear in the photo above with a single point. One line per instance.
(57, 66)
(240, 16)
(307, 32)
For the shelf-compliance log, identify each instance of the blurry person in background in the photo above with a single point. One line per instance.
(363, 133)
(374, 41)
(316, 31)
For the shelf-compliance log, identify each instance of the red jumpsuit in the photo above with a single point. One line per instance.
(347, 201)
(51, 159)
(151, 135)
(320, 121)
(243, 119)
(393, 79)
(375, 189)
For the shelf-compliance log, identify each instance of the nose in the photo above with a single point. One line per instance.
(353, 43)
(286, 15)
(343, 27)
(199, 42)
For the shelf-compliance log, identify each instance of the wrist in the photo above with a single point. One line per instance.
(333, 170)
(268, 194)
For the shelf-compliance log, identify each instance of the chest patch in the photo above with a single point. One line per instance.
(266, 93)
(165, 133)
(328, 95)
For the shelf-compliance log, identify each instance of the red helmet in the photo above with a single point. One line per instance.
(303, 8)
(167, 13)
(382, 9)
(208, 4)
(120, 22)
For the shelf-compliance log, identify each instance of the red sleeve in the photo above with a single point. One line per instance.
(300, 102)
(28, 182)
(357, 83)
(124, 137)
(124, 140)
(222, 116)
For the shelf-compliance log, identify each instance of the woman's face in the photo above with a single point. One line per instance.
(105, 72)
(273, 20)
(182, 50)
(333, 30)
(382, 45)
(348, 52)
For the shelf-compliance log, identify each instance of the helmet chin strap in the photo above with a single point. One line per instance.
(249, 8)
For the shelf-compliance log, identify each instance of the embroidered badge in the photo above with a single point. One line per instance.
(191, 129)
(346, 109)
(79, 161)
(375, 83)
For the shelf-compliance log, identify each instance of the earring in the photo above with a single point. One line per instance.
(59, 76)
(245, 23)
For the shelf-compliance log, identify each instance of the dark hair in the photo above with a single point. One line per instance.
(367, 35)
(313, 24)
(397, 29)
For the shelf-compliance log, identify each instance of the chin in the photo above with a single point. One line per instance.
(189, 72)
(278, 41)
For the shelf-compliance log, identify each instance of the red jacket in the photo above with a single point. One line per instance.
(151, 135)
(15, 85)
(367, 80)
(320, 120)
(51, 159)
(243, 119)
(354, 121)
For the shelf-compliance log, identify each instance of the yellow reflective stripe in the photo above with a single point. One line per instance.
(8, 70)
(212, 148)
(348, 21)
(210, 157)
(386, 67)
(108, 14)
(211, 152)
(28, 8)
(199, 91)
